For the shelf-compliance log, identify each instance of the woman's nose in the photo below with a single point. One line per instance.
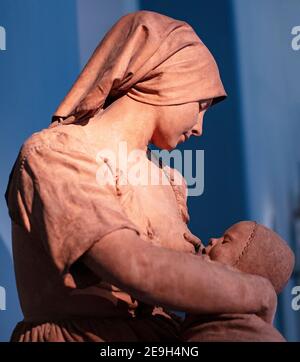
(197, 129)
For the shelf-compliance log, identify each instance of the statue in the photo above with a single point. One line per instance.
(111, 262)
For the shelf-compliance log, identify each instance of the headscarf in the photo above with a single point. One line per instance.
(150, 57)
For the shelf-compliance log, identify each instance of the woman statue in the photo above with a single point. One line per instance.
(110, 261)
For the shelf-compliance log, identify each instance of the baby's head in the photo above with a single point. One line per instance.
(255, 249)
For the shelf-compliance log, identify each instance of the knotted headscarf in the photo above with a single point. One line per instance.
(150, 57)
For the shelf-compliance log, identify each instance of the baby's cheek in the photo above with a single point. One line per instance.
(222, 255)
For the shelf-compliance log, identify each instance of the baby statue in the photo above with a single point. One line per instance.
(251, 248)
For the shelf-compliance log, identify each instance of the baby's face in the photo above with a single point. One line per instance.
(227, 248)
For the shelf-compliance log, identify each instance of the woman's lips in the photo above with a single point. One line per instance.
(184, 137)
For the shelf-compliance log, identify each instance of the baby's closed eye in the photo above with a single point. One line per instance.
(226, 239)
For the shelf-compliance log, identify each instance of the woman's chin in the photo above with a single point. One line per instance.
(165, 145)
(182, 139)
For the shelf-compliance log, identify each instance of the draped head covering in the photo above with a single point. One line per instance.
(150, 57)
(266, 254)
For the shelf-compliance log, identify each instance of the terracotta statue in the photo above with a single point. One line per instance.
(251, 248)
(111, 262)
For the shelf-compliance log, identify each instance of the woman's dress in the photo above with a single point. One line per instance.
(60, 207)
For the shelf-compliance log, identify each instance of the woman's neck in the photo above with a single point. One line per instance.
(125, 121)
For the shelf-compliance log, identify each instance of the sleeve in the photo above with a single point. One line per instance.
(56, 195)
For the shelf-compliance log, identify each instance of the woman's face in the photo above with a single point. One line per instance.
(178, 122)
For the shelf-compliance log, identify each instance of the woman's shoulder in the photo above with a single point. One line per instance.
(69, 138)
(58, 168)
(55, 156)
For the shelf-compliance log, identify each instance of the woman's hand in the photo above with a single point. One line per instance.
(193, 239)
(269, 300)
(268, 310)
(269, 305)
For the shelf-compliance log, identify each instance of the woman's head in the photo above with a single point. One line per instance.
(154, 59)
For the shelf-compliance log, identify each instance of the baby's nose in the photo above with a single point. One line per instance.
(212, 241)
(201, 249)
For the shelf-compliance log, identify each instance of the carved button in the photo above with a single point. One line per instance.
(150, 232)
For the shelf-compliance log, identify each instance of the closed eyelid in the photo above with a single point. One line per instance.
(203, 106)
(227, 237)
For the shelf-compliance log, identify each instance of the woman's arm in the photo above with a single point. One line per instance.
(176, 280)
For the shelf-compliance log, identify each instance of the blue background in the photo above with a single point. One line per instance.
(250, 140)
